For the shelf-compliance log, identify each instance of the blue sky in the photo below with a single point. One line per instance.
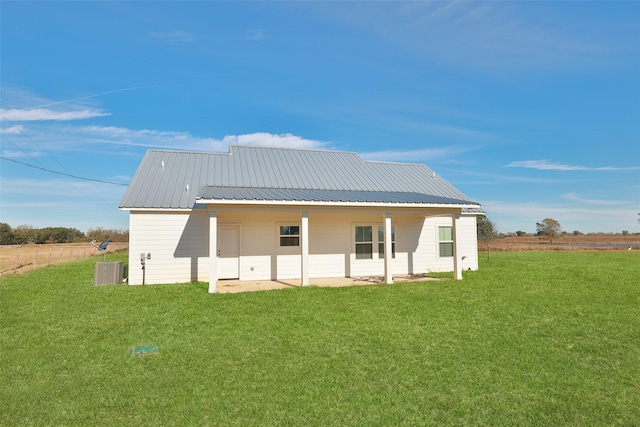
(531, 108)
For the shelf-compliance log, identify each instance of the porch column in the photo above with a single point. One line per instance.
(304, 247)
(457, 265)
(213, 251)
(388, 250)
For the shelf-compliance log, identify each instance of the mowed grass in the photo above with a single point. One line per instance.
(533, 338)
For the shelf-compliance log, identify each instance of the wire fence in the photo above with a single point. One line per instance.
(16, 259)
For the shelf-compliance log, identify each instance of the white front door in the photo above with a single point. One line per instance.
(228, 252)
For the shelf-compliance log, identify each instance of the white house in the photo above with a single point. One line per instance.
(271, 213)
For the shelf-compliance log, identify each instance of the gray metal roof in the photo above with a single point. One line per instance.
(348, 196)
(173, 179)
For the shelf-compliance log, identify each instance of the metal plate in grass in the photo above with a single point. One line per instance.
(143, 350)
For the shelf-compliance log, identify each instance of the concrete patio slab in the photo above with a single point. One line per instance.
(236, 286)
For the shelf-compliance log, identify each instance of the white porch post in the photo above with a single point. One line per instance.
(388, 250)
(213, 251)
(304, 247)
(457, 265)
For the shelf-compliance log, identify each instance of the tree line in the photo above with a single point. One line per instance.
(25, 234)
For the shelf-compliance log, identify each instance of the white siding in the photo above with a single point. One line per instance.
(427, 255)
(179, 245)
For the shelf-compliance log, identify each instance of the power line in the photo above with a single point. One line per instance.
(61, 173)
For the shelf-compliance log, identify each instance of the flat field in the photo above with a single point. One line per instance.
(584, 242)
(18, 259)
(532, 338)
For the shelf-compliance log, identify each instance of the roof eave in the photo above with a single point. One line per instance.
(333, 203)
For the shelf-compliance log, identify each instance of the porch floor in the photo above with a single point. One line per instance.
(235, 286)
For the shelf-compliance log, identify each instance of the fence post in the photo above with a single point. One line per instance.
(49, 257)
(17, 261)
(60, 254)
(35, 261)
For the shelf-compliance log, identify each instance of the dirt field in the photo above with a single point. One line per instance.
(18, 259)
(569, 242)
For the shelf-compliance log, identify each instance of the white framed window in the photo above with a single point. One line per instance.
(445, 241)
(381, 241)
(364, 241)
(289, 235)
(369, 241)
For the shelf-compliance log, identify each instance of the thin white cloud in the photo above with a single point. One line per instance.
(413, 155)
(55, 188)
(486, 178)
(573, 197)
(544, 165)
(12, 130)
(174, 36)
(547, 165)
(40, 114)
(15, 154)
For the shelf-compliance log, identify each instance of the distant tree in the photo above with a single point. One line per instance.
(549, 228)
(487, 232)
(6, 234)
(24, 234)
(577, 233)
(100, 234)
(520, 233)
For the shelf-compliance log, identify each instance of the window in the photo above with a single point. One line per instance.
(364, 242)
(445, 237)
(289, 235)
(381, 241)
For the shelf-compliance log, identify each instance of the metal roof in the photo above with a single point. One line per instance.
(174, 179)
(303, 195)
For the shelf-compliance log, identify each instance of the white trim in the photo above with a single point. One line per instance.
(457, 264)
(388, 251)
(279, 247)
(213, 251)
(157, 209)
(304, 243)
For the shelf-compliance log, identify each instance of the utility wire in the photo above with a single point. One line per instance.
(61, 173)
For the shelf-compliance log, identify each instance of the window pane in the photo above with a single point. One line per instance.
(446, 234)
(289, 230)
(364, 234)
(381, 250)
(381, 241)
(446, 249)
(364, 250)
(289, 241)
(381, 233)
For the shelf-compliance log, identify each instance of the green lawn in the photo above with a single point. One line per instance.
(533, 338)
